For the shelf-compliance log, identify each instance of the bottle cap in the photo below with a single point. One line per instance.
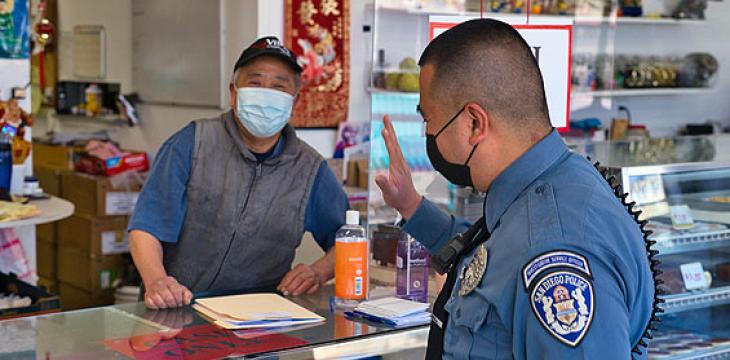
(352, 217)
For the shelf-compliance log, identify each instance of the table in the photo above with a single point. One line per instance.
(133, 331)
(52, 209)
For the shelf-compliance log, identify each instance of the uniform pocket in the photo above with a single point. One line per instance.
(470, 311)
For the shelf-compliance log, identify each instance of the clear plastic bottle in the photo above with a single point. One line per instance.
(411, 269)
(351, 267)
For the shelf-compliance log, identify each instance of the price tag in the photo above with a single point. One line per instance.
(681, 217)
(693, 276)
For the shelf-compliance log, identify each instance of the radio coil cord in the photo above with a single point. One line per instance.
(654, 263)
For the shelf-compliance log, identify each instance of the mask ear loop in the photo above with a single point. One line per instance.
(471, 154)
(453, 118)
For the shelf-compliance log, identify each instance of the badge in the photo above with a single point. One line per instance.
(563, 301)
(473, 273)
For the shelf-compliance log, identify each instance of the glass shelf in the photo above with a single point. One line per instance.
(696, 300)
(693, 242)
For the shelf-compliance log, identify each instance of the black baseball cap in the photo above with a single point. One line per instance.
(269, 45)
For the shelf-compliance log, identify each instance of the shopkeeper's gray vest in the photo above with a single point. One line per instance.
(244, 219)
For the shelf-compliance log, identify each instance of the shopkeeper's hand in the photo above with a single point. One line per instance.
(398, 190)
(303, 279)
(165, 293)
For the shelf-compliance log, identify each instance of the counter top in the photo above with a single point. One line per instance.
(132, 331)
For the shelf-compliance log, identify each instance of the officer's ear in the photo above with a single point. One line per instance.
(479, 122)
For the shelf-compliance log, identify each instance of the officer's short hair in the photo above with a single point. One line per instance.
(487, 61)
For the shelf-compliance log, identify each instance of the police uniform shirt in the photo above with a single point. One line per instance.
(566, 275)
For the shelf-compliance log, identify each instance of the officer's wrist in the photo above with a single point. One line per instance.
(408, 211)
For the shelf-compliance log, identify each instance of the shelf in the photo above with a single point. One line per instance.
(713, 353)
(693, 242)
(51, 210)
(643, 92)
(579, 21)
(696, 300)
(599, 93)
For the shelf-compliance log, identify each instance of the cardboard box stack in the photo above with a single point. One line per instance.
(82, 256)
(92, 242)
(49, 161)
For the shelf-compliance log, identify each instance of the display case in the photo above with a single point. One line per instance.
(688, 210)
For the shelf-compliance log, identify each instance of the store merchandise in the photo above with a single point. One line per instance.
(404, 79)
(105, 159)
(594, 72)
(6, 162)
(351, 264)
(411, 269)
(13, 288)
(13, 301)
(723, 271)
(10, 211)
(669, 343)
(84, 98)
(690, 9)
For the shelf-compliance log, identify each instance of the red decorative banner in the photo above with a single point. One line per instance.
(318, 31)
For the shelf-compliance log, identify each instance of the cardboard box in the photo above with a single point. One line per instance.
(55, 157)
(136, 161)
(98, 196)
(47, 233)
(46, 259)
(93, 274)
(43, 302)
(49, 179)
(49, 285)
(94, 236)
(73, 298)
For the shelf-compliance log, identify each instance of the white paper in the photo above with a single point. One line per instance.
(693, 276)
(112, 244)
(120, 203)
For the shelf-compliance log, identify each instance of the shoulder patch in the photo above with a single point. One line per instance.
(563, 301)
(554, 259)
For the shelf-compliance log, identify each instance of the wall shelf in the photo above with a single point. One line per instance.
(643, 92)
(579, 21)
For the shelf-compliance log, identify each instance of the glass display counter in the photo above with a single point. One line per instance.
(132, 331)
(688, 209)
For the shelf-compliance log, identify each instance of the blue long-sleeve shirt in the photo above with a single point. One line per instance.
(566, 274)
(162, 204)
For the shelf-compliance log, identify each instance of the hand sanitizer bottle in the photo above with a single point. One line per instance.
(351, 267)
(411, 269)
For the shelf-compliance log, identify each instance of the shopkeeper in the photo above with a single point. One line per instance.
(564, 273)
(228, 199)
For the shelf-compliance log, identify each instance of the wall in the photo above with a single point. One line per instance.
(116, 17)
(240, 28)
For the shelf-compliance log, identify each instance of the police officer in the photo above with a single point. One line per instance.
(564, 273)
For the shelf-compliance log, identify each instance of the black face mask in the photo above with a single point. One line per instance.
(457, 174)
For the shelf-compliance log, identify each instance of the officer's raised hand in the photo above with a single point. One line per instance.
(398, 190)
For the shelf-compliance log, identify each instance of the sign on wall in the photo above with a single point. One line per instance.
(551, 40)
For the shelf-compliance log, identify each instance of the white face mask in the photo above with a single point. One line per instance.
(263, 112)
